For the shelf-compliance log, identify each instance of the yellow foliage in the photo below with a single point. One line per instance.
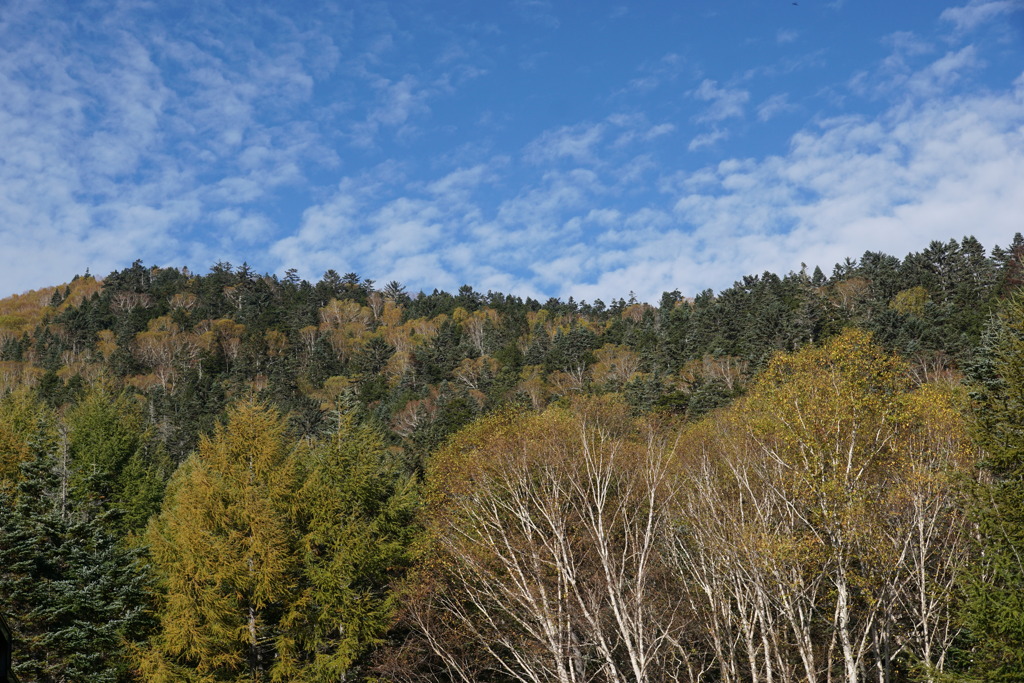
(22, 312)
(223, 548)
(21, 423)
(17, 374)
(277, 343)
(635, 312)
(837, 446)
(910, 301)
(615, 365)
(392, 314)
(106, 344)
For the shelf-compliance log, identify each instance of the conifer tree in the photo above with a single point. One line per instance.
(994, 596)
(356, 516)
(75, 597)
(226, 554)
(115, 461)
(25, 426)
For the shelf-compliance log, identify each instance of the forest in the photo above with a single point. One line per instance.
(232, 476)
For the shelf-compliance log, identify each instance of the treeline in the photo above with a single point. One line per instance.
(420, 367)
(239, 477)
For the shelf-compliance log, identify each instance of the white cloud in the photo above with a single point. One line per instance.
(121, 141)
(773, 106)
(977, 12)
(945, 168)
(945, 71)
(540, 12)
(572, 142)
(636, 128)
(167, 145)
(707, 139)
(896, 76)
(458, 184)
(397, 102)
(725, 102)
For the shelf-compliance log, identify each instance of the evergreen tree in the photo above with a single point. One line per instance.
(356, 516)
(993, 610)
(115, 461)
(26, 427)
(75, 597)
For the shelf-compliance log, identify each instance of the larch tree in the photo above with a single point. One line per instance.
(25, 424)
(114, 458)
(227, 555)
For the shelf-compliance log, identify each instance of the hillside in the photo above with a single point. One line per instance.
(421, 365)
(257, 478)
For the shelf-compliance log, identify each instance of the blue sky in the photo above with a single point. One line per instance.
(584, 149)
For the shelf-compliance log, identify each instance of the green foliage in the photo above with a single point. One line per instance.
(115, 462)
(276, 559)
(993, 609)
(355, 512)
(75, 597)
(226, 555)
(26, 427)
(120, 382)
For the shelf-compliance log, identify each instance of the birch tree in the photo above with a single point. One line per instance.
(821, 522)
(547, 535)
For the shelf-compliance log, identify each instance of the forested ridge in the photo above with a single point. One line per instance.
(232, 476)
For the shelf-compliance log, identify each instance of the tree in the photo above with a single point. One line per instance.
(356, 519)
(76, 598)
(226, 555)
(26, 427)
(277, 559)
(820, 521)
(545, 561)
(993, 609)
(114, 460)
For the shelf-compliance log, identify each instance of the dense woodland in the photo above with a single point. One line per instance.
(238, 477)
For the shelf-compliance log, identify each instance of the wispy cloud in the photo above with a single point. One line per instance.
(786, 35)
(946, 166)
(977, 12)
(897, 76)
(396, 102)
(655, 74)
(773, 106)
(540, 12)
(343, 140)
(707, 139)
(725, 102)
(573, 142)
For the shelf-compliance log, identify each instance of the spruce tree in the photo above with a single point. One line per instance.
(75, 597)
(993, 609)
